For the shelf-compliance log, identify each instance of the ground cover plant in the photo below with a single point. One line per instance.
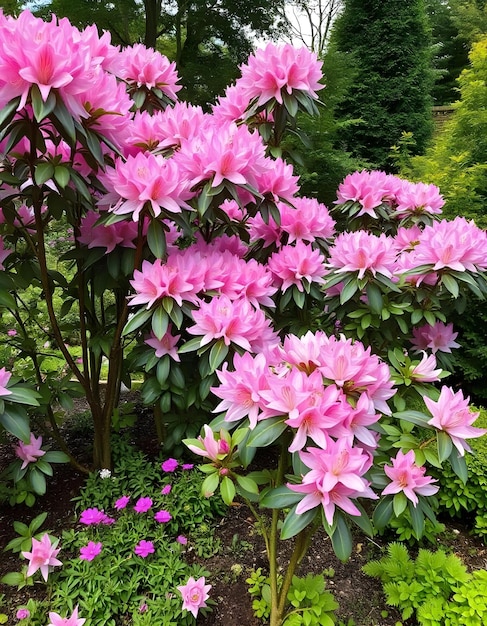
(320, 334)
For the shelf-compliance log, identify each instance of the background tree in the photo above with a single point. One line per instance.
(387, 46)
(310, 22)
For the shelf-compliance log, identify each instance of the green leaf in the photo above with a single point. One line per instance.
(451, 284)
(383, 513)
(40, 107)
(445, 445)
(210, 484)
(43, 172)
(8, 111)
(13, 578)
(415, 417)
(136, 321)
(162, 370)
(190, 346)
(266, 432)
(16, 423)
(294, 523)
(280, 498)
(247, 484)
(348, 290)
(37, 522)
(62, 176)
(21, 528)
(399, 502)
(37, 481)
(459, 465)
(23, 395)
(341, 539)
(160, 322)
(417, 519)
(156, 239)
(374, 297)
(7, 300)
(227, 490)
(218, 353)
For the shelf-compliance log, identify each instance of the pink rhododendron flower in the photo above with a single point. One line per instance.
(122, 502)
(232, 106)
(276, 181)
(144, 548)
(74, 620)
(307, 221)
(42, 556)
(92, 516)
(369, 189)
(162, 517)
(90, 551)
(169, 465)
(143, 505)
(425, 371)
(22, 614)
(439, 337)
(363, 252)
(210, 447)
(100, 236)
(297, 265)
(274, 70)
(166, 490)
(195, 593)
(29, 452)
(305, 352)
(416, 198)
(451, 414)
(408, 477)
(166, 345)
(4, 378)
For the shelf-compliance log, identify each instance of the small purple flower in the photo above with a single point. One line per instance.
(11, 333)
(143, 608)
(187, 466)
(144, 548)
(92, 516)
(22, 614)
(182, 540)
(122, 502)
(108, 521)
(162, 517)
(89, 552)
(169, 465)
(143, 505)
(166, 489)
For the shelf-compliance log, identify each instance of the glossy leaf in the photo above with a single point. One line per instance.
(280, 498)
(294, 523)
(266, 432)
(341, 539)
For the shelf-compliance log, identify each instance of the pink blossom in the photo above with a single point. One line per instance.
(92, 516)
(363, 252)
(4, 378)
(143, 505)
(210, 447)
(195, 593)
(12, 332)
(74, 620)
(90, 551)
(166, 490)
(144, 548)
(269, 233)
(28, 452)
(42, 556)
(22, 614)
(166, 345)
(182, 540)
(162, 517)
(232, 106)
(417, 198)
(307, 221)
(187, 466)
(274, 70)
(451, 414)
(297, 265)
(369, 189)
(305, 352)
(439, 337)
(408, 477)
(425, 371)
(94, 235)
(169, 465)
(122, 502)
(276, 181)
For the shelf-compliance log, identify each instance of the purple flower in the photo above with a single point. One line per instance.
(11, 333)
(182, 540)
(143, 608)
(89, 552)
(187, 466)
(166, 489)
(92, 516)
(144, 548)
(169, 465)
(122, 502)
(143, 505)
(108, 521)
(162, 517)
(22, 614)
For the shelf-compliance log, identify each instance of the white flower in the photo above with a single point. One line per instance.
(105, 473)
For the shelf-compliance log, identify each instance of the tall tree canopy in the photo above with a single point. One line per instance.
(387, 45)
(208, 39)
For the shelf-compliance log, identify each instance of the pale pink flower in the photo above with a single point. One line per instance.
(144, 67)
(369, 189)
(364, 253)
(407, 238)
(424, 371)
(452, 414)
(42, 556)
(143, 505)
(195, 593)
(297, 265)
(22, 614)
(307, 221)
(210, 447)
(439, 337)
(166, 345)
(144, 548)
(269, 232)
(90, 551)
(29, 452)
(336, 476)
(74, 620)
(232, 106)
(408, 477)
(4, 378)
(122, 502)
(169, 465)
(101, 236)
(276, 181)
(162, 517)
(305, 352)
(274, 70)
(417, 198)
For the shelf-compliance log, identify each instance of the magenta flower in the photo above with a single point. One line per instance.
(92, 516)
(74, 620)
(408, 477)
(143, 505)
(22, 614)
(169, 465)
(89, 552)
(28, 452)
(166, 345)
(122, 502)
(162, 517)
(144, 548)
(182, 540)
(42, 556)
(452, 414)
(166, 489)
(11, 333)
(187, 466)
(195, 593)
(439, 337)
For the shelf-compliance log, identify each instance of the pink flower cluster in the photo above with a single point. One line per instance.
(93, 517)
(30, 452)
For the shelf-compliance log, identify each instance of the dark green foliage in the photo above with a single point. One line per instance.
(387, 45)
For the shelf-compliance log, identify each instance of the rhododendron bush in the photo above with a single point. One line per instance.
(322, 332)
